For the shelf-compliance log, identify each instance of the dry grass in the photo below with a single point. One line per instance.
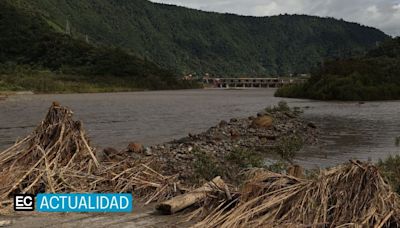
(352, 195)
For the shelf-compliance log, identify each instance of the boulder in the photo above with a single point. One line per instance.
(223, 123)
(262, 122)
(135, 148)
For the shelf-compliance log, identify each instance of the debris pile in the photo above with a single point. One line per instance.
(57, 157)
(352, 195)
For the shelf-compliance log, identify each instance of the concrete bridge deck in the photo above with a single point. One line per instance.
(250, 82)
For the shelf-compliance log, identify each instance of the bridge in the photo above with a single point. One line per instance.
(250, 82)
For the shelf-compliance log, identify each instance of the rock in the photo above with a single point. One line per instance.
(312, 125)
(234, 134)
(219, 137)
(148, 151)
(271, 137)
(251, 131)
(223, 123)
(262, 122)
(135, 148)
(234, 120)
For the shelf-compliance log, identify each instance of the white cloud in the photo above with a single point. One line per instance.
(382, 14)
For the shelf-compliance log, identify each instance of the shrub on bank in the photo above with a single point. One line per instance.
(390, 169)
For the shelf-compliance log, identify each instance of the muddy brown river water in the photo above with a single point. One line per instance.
(350, 130)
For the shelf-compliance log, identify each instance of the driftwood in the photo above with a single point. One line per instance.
(296, 171)
(5, 223)
(183, 201)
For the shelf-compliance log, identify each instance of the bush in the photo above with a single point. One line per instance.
(390, 169)
(206, 166)
(288, 146)
(243, 158)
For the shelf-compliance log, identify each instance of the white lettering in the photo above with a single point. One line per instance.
(72, 200)
(52, 205)
(121, 202)
(19, 200)
(82, 203)
(114, 203)
(63, 198)
(44, 203)
(90, 203)
(104, 202)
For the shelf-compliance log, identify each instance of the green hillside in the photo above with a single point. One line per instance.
(195, 41)
(35, 57)
(375, 76)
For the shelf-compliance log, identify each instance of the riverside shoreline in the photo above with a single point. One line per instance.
(272, 135)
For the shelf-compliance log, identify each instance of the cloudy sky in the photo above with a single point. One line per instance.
(382, 14)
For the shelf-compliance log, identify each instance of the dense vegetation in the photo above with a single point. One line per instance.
(195, 41)
(35, 57)
(375, 76)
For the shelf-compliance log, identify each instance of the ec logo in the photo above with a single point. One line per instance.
(24, 202)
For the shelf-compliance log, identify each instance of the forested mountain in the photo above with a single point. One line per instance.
(29, 47)
(375, 76)
(190, 41)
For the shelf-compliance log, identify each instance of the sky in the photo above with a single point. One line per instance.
(382, 14)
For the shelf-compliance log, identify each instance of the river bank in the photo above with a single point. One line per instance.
(152, 177)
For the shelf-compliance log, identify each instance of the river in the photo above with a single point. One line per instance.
(349, 130)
